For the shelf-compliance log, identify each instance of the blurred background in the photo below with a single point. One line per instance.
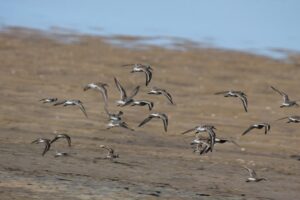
(268, 27)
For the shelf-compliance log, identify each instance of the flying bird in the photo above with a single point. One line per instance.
(142, 68)
(159, 91)
(47, 143)
(125, 100)
(266, 126)
(101, 87)
(62, 135)
(113, 116)
(48, 100)
(286, 101)
(143, 103)
(110, 152)
(253, 177)
(294, 119)
(239, 94)
(118, 123)
(73, 102)
(204, 128)
(161, 116)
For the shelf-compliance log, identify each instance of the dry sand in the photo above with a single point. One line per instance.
(152, 164)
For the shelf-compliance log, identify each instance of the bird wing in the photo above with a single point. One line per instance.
(121, 89)
(189, 130)
(168, 95)
(125, 125)
(212, 136)
(145, 120)
(150, 104)
(47, 147)
(148, 75)
(244, 101)
(82, 109)
(251, 172)
(248, 129)
(134, 92)
(282, 118)
(222, 92)
(284, 95)
(103, 91)
(165, 121)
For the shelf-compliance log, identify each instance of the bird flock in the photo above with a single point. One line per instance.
(205, 134)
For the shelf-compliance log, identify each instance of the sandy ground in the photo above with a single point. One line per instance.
(152, 164)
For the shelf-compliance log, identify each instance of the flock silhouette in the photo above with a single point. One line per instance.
(205, 135)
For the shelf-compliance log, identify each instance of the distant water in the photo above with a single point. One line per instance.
(256, 26)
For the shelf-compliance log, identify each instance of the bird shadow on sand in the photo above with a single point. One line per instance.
(95, 160)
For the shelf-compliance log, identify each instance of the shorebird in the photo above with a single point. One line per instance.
(204, 128)
(239, 94)
(253, 177)
(118, 123)
(47, 143)
(201, 146)
(62, 135)
(266, 126)
(48, 100)
(100, 87)
(113, 116)
(143, 103)
(159, 91)
(294, 119)
(124, 99)
(73, 102)
(286, 101)
(110, 152)
(142, 68)
(162, 116)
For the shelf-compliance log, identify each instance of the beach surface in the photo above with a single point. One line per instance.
(152, 164)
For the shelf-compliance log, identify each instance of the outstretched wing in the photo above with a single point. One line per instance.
(168, 95)
(284, 95)
(47, 147)
(145, 120)
(244, 101)
(134, 92)
(120, 88)
(251, 172)
(82, 109)
(165, 121)
(222, 92)
(282, 118)
(148, 76)
(189, 130)
(125, 125)
(248, 129)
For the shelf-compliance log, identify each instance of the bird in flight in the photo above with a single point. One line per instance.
(73, 102)
(286, 101)
(161, 116)
(159, 91)
(101, 87)
(47, 143)
(142, 68)
(62, 135)
(253, 177)
(143, 103)
(125, 100)
(266, 126)
(239, 94)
